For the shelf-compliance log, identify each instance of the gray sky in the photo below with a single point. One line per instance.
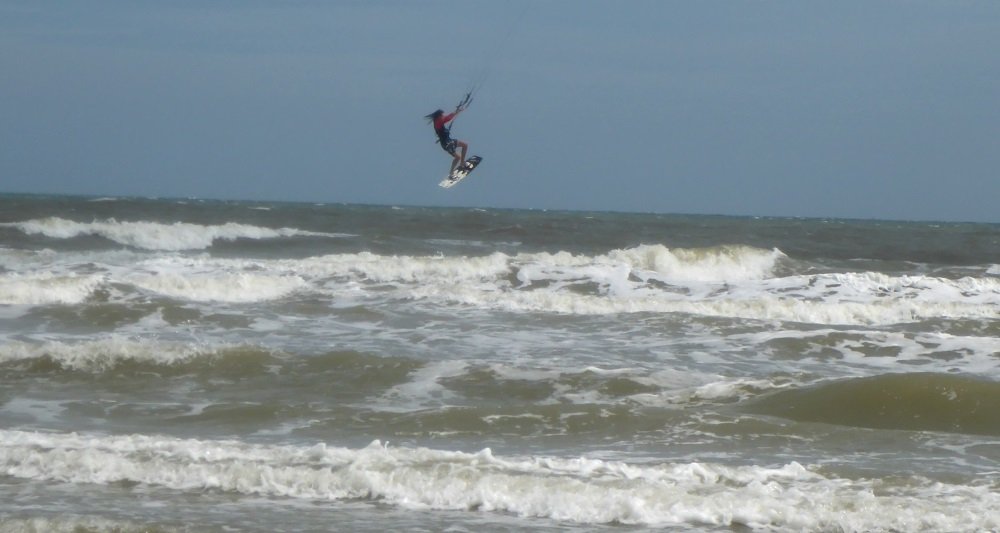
(864, 109)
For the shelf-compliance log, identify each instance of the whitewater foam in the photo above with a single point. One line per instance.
(237, 287)
(861, 351)
(103, 354)
(761, 306)
(154, 235)
(583, 491)
(76, 524)
(43, 288)
(716, 264)
(733, 281)
(727, 281)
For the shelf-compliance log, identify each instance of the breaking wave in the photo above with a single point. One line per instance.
(43, 288)
(727, 281)
(580, 491)
(97, 356)
(157, 236)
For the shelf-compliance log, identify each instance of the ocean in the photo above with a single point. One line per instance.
(193, 365)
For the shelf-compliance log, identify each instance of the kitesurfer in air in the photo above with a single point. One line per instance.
(455, 147)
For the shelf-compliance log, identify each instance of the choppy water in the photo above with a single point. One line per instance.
(216, 366)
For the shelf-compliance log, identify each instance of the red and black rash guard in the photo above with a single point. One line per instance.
(439, 127)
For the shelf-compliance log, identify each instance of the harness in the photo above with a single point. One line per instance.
(444, 134)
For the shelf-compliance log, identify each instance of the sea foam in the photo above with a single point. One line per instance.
(716, 264)
(100, 355)
(727, 281)
(155, 235)
(581, 490)
(43, 288)
(235, 287)
(68, 523)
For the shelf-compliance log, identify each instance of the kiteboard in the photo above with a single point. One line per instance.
(461, 172)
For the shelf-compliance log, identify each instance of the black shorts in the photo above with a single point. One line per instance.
(449, 146)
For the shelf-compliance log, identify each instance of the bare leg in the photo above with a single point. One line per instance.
(465, 148)
(455, 162)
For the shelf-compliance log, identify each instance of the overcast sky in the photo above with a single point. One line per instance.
(864, 109)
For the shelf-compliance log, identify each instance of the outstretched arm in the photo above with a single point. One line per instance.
(450, 116)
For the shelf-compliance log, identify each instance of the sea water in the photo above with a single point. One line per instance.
(187, 365)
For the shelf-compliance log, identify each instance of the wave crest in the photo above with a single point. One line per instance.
(102, 355)
(714, 264)
(154, 235)
(581, 491)
(44, 288)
